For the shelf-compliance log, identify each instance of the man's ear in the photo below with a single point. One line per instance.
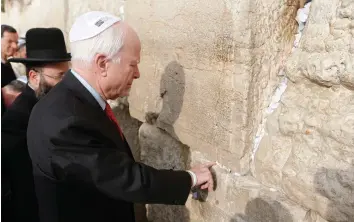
(101, 64)
(33, 78)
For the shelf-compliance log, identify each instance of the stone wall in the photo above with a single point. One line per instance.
(209, 70)
(309, 150)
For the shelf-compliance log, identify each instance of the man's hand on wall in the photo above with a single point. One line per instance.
(204, 176)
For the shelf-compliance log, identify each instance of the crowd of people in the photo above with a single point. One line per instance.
(64, 155)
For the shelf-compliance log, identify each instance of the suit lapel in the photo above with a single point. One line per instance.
(75, 85)
(109, 128)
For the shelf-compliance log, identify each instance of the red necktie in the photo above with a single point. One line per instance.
(111, 116)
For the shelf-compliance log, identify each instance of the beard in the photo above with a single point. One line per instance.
(43, 89)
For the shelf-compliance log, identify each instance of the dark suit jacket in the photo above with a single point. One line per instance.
(7, 75)
(83, 169)
(16, 163)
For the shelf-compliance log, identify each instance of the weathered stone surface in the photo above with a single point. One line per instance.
(130, 126)
(244, 199)
(219, 74)
(208, 72)
(308, 150)
(160, 150)
(52, 13)
(36, 13)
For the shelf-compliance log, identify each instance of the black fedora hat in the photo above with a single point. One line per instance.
(44, 45)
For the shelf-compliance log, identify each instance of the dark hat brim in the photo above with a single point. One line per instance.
(40, 60)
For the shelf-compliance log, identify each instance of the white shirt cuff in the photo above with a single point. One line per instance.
(194, 178)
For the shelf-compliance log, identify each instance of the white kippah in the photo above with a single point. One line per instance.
(91, 24)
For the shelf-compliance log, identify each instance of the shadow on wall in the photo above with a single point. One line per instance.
(260, 210)
(169, 152)
(338, 187)
(172, 87)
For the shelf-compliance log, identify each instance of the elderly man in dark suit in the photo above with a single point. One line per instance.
(46, 62)
(83, 167)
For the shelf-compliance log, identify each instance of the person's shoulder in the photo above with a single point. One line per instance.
(24, 99)
(20, 105)
(58, 99)
(15, 117)
(60, 102)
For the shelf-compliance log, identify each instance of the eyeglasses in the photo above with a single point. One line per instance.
(52, 77)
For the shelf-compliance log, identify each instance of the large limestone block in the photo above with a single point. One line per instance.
(236, 198)
(26, 14)
(244, 199)
(207, 68)
(187, 74)
(307, 151)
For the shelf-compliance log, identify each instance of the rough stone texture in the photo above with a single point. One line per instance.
(51, 13)
(309, 150)
(208, 71)
(209, 68)
(25, 14)
(162, 151)
(208, 83)
(129, 125)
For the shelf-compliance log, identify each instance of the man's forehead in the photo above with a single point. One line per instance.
(132, 58)
(131, 53)
(10, 35)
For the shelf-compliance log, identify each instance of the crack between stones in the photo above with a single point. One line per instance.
(279, 91)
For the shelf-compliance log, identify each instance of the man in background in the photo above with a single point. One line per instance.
(13, 89)
(9, 38)
(46, 63)
(19, 68)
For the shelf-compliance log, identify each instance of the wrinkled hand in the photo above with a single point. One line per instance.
(204, 176)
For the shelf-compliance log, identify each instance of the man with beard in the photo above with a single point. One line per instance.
(9, 38)
(46, 63)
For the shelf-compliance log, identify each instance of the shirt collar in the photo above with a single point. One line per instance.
(94, 93)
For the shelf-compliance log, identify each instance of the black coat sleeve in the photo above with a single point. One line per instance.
(80, 153)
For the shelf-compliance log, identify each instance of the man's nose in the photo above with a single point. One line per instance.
(137, 74)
